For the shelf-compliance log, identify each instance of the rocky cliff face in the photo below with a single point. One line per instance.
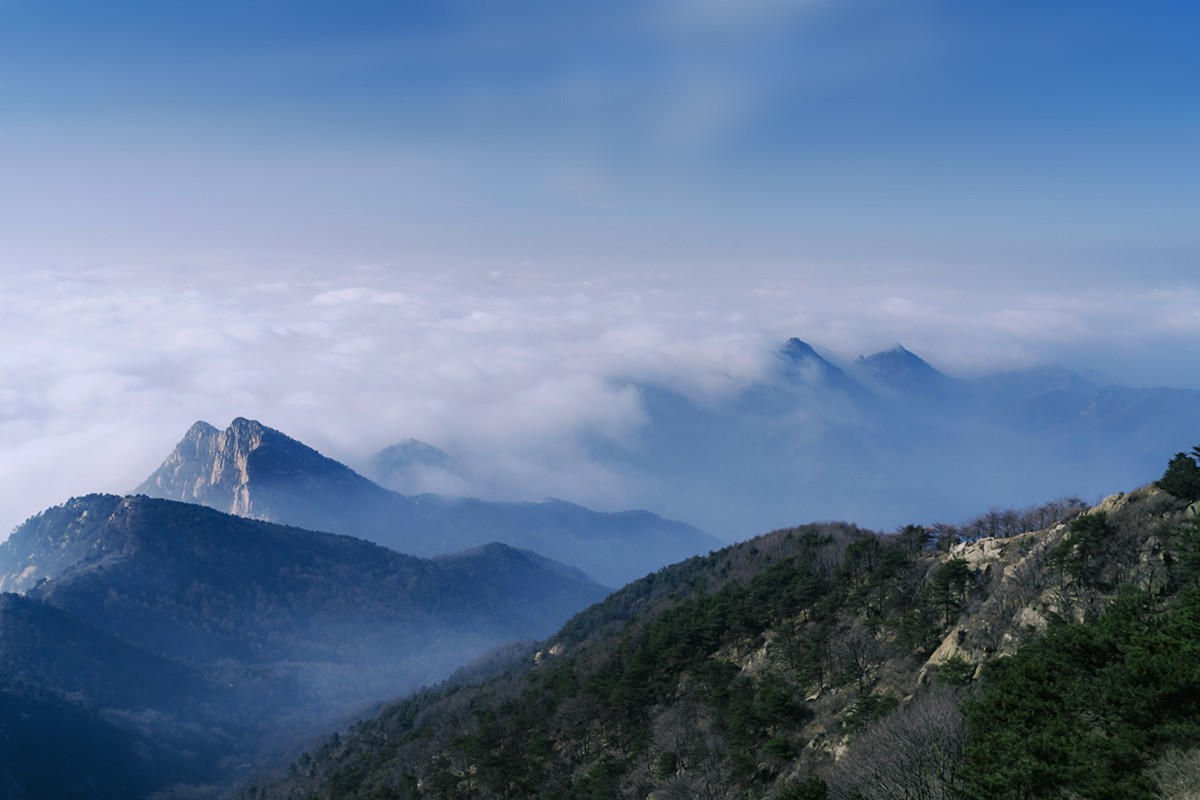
(255, 471)
(211, 467)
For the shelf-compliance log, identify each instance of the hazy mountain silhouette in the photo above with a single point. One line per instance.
(252, 470)
(416, 467)
(902, 375)
(890, 439)
(208, 634)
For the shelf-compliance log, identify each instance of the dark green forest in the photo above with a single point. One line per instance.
(1045, 653)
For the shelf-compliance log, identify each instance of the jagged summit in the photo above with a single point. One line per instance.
(206, 463)
(237, 469)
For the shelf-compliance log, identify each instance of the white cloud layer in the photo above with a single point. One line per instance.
(508, 368)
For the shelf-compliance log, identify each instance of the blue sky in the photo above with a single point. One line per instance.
(484, 210)
(965, 137)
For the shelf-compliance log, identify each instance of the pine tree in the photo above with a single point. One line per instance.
(1182, 478)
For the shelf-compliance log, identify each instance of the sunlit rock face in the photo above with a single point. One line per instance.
(209, 465)
(239, 469)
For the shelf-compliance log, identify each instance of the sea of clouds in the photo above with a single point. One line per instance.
(510, 369)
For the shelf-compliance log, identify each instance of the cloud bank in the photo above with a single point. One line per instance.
(473, 223)
(512, 369)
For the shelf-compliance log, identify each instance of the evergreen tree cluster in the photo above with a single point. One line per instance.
(1182, 477)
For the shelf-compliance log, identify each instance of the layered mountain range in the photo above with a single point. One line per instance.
(177, 643)
(189, 641)
(888, 439)
(255, 471)
(254, 592)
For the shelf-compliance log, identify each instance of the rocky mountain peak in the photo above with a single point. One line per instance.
(212, 466)
(200, 430)
(251, 470)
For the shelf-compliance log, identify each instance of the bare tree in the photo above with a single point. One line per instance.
(912, 754)
(857, 654)
(691, 754)
(1177, 774)
(578, 728)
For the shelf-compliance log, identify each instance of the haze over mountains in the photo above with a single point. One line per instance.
(887, 440)
(169, 643)
(479, 255)
(188, 641)
(255, 471)
(883, 440)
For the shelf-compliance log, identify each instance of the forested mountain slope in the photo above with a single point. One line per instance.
(73, 710)
(199, 641)
(827, 661)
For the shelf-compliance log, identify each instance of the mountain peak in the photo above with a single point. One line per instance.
(901, 369)
(798, 349)
(230, 470)
(803, 364)
(244, 425)
(897, 353)
(200, 430)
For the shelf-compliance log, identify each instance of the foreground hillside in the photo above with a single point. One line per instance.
(183, 644)
(826, 661)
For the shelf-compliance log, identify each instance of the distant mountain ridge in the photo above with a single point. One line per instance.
(109, 560)
(888, 439)
(252, 470)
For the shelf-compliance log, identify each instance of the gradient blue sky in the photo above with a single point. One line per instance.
(955, 139)
(201, 200)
